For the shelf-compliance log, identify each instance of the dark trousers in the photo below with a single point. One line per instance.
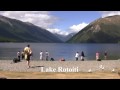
(46, 58)
(19, 58)
(76, 58)
(22, 57)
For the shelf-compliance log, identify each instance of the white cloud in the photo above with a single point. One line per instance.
(58, 31)
(109, 13)
(40, 18)
(77, 28)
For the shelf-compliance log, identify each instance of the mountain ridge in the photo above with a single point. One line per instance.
(13, 30)
(102, 30)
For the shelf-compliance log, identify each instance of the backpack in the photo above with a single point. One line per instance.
(15, 60)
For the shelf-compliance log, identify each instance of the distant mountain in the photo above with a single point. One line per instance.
(12, 30)
(64, 38)
(102, 30)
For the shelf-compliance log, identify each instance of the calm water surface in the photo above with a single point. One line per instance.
(59, 50)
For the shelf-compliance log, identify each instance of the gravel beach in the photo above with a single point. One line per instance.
(60, 66)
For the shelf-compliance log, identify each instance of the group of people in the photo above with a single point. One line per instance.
(42, 55)
(20, 55)
(77, 55)
(98, 55)
(25, 54)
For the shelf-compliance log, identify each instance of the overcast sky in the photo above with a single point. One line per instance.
(62, 22)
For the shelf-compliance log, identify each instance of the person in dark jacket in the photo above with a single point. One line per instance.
(82, 56)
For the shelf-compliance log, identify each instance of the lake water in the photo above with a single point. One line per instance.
(59, 50)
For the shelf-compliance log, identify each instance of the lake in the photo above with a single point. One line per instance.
(8, 51)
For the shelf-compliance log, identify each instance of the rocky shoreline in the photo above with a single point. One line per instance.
(61, 66)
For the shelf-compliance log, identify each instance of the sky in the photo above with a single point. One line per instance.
(61, 22)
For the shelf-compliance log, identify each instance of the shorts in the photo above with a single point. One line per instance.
(27, 57)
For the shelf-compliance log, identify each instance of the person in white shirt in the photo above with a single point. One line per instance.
(77, 55)
(41, 55)
(18, 55)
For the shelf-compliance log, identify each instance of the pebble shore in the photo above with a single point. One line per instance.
(82, 66)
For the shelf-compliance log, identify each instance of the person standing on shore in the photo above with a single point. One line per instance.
(18, 55)
(46, 55)
(77, 55)
(22, 54)
(41, 55)
(28, 52)
(105, 55)
(82, 56)
(97, 55)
